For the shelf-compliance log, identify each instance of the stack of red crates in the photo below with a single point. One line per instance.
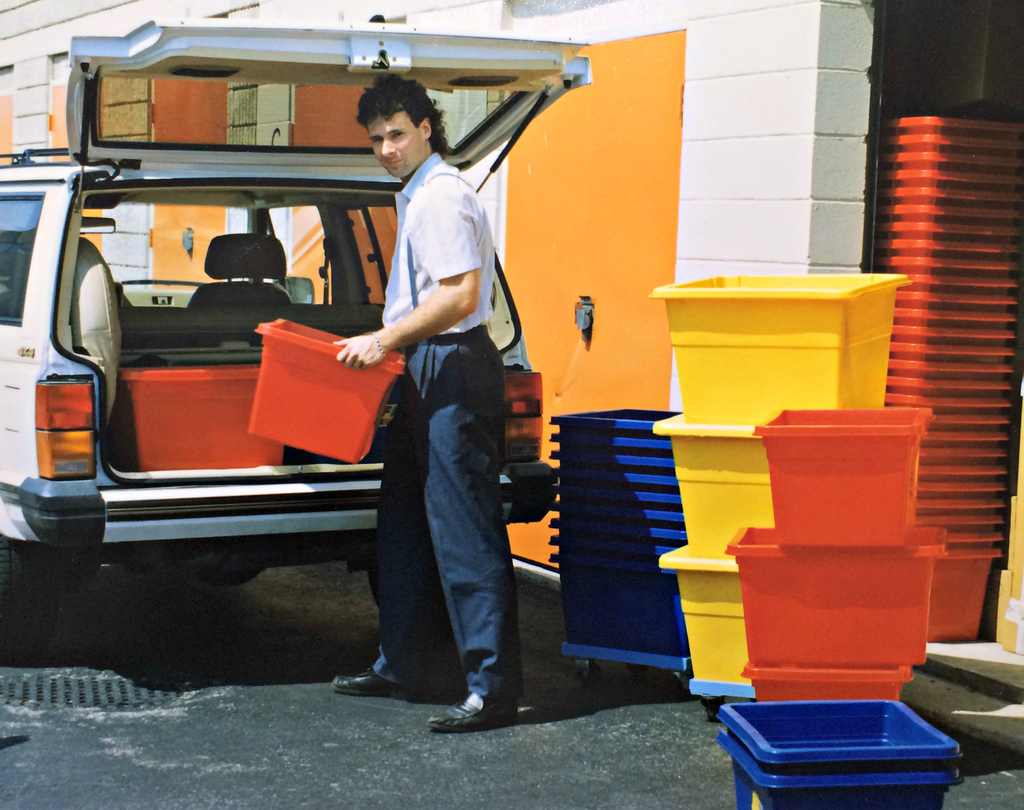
(949, 217)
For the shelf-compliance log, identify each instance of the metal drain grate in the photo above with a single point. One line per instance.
(48, 691)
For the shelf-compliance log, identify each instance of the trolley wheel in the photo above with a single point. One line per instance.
(711, 707)
(587, 670)
(684, 681)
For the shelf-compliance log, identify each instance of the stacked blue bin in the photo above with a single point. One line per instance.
(619, 510)
(864, 754)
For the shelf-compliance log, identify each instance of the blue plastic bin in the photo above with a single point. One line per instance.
(614, 446)
(782, 735)
(906, 790)
(621, 605)
(598, 547)
(617, 420)
(571, 524)
(619, 496)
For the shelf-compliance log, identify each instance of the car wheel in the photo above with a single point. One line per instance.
(29, 600)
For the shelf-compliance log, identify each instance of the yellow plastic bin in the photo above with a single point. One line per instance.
(748, 347)
(713, 611)
(723, 481)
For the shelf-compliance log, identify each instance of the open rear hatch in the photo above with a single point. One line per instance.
(252, 94)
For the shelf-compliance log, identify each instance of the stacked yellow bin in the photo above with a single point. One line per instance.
(747, 348)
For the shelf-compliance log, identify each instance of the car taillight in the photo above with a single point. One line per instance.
(65, 440)
(523, 416)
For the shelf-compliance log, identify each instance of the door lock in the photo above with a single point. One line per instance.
(585, 317)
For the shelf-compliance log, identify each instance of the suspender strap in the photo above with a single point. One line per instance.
(412, 274)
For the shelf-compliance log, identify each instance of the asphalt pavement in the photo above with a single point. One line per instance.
(163, 692)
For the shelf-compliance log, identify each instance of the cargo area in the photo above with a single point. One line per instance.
(168, 298)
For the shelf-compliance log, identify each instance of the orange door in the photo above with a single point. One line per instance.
(593, 201)
(58, 118)
(6, 125)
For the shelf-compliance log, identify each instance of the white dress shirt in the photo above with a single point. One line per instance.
(444, 227)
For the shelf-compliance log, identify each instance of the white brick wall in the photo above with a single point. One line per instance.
(33, 100)
(773, 160)
(483, 14)
(748, 168)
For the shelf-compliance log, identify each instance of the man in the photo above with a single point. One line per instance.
(444, 562)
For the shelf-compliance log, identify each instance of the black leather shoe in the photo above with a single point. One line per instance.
(465, 716)
(365, 684)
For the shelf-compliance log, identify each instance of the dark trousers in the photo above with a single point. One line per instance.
(447, 586)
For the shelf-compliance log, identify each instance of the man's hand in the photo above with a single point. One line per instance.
(360, 352)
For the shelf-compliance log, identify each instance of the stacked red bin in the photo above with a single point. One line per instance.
(836, 596)
(949, 217)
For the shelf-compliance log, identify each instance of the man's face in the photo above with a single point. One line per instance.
(399, 145)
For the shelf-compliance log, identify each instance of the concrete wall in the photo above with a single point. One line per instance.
(774, 127)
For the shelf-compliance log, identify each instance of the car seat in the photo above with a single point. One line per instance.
(95, 325)
(244, 262)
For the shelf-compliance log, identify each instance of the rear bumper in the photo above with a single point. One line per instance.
(77, 513)
(530, 491)
(60, 513)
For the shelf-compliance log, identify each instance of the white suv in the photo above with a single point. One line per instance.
(218, 181)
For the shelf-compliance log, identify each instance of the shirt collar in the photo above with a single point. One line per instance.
(419, 177)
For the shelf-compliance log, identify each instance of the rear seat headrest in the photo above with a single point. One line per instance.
(246, 255)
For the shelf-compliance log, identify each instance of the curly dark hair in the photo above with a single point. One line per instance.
(393, 94)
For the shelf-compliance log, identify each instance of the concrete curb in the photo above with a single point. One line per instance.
(536, 575)
(956, 708)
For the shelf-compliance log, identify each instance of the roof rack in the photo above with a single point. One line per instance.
(33, 155)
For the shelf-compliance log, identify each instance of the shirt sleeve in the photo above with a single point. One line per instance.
(444, 240)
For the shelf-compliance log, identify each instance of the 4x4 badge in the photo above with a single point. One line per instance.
(26, 352)
(387, 415)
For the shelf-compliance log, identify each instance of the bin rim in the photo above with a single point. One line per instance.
(961, 553)
(745, 761)
(797, 287)
(316, 340)
(848, 422)
(745, 729)
(639, 418)
(681, 560)
(924, 541)
(225, 373)
(678, 426)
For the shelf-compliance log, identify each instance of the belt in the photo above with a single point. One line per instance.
(453, 338)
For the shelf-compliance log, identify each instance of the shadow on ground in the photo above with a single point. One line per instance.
(300, 626)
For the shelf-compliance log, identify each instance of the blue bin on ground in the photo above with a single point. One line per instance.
(618, 510)
(621, 610)
(864, 754)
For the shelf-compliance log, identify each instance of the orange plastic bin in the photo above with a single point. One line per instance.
(305, 398)
(835, 607)
(187, 418)
(844, 477)
(958, 593)
(799, 683)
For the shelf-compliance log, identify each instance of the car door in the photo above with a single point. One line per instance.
(28, 221)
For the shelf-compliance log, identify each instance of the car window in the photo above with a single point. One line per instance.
(19, 217)
(222, 113)
(187, 294)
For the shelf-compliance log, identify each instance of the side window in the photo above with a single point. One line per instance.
(19, 217)
(375, 230)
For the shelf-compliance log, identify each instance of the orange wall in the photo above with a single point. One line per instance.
(6, 125)
(326, 116)
(170, 223)
(593, 201)
(58, 118)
